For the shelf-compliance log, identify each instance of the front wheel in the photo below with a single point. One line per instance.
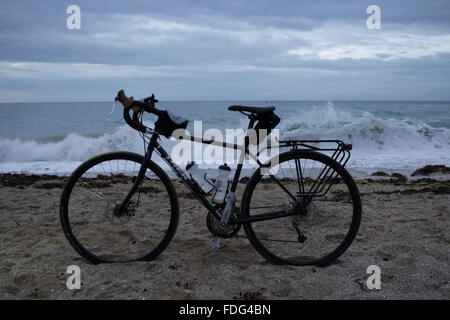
(93, 225)
(320, 205)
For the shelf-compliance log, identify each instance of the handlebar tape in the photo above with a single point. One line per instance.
(128, 104)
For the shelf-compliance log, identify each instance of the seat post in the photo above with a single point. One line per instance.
(237, 174)
(252, 118)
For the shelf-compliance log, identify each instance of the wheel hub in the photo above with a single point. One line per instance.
(117, 216)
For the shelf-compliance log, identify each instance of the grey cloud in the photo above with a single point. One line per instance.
(225, 49)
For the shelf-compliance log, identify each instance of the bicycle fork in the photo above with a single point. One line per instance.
(140, 177)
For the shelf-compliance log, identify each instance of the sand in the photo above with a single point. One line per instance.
(404, 230)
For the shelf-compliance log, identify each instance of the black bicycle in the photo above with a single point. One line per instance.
(121, 206)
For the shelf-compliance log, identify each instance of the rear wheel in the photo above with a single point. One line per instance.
(323, 204)
(92, 223)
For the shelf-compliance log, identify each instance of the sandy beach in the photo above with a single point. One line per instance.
(405, 230)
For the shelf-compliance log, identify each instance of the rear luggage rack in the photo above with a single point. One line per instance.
(340, 153)
(322, 184)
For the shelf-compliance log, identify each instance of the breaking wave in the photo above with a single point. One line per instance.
(377, 142)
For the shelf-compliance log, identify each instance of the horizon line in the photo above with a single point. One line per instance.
(262, 100)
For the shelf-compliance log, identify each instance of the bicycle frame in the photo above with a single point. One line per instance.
(154, 146)
(340, 154)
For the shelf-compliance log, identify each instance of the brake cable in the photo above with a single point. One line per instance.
(112, 110)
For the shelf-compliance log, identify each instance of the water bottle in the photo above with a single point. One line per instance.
(199, 176)
(221, 184)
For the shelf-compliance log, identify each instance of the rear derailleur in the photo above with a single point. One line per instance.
(299, 214)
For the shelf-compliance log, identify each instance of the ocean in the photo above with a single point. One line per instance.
(394, 136)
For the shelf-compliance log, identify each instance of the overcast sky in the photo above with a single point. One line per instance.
(225, 50)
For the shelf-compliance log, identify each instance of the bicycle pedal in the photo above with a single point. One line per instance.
(217, 244)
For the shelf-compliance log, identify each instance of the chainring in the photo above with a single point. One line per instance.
(213, 224)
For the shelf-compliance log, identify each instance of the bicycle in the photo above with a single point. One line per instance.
(121, 206)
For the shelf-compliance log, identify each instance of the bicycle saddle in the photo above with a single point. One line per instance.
(257, 110)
